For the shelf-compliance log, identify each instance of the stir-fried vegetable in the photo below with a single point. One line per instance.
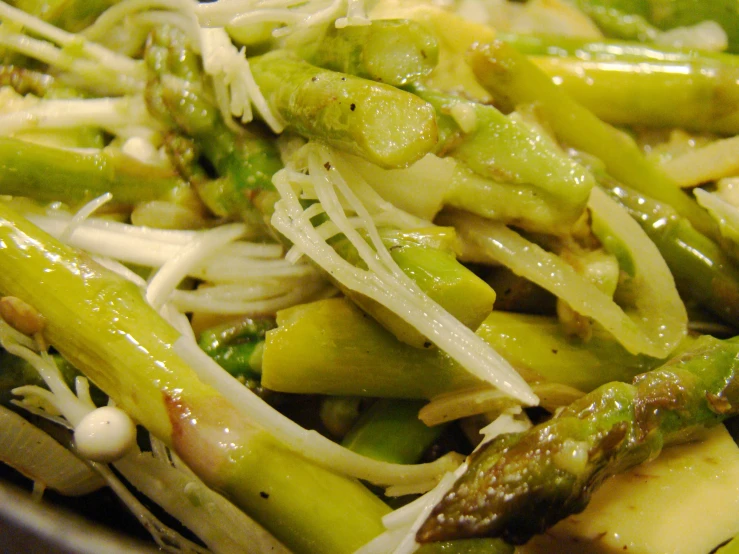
(375, 277)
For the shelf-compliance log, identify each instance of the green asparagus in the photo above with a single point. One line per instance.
(702, 271)
(71, 15)
(689, 95)
(515, 81)
(519, 484)
(52, 174)
(331, 347)
(391, 51)
(176, 95)
(391, 431)
(641, 19)
(626, 19)
(246, 161)
(237, 346)
(384, 125)
(508, 151)
(426, 256)
(103, 325)
(611, 50)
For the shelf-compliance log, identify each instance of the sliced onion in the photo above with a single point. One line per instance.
(658, 321)
(218, 523)
(36, 455)
(456, 405)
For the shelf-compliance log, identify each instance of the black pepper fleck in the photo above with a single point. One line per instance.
(353, 107)
(264, 494)
(327, 165)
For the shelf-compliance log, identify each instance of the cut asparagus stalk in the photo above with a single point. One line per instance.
(391, 51)
(391, 431)
(702, 271)
(176, 94)
(519, 484)
(513, 154)
(330, 347)
(691, 95)
(515, 80)
(384, 125)
(54, 174)
(101, 323)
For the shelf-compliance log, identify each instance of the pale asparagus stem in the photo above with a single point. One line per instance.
(102, 324)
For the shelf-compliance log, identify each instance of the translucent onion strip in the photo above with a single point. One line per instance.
(118, 13)
(402, 524)
(457, 405)
(39, 457)
(494, 242)
(707, 163)
(166, 538)
(725, 214)
(218, 523)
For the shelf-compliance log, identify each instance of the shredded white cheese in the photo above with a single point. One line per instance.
(383, 281)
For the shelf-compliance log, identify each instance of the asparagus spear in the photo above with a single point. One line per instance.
(70, 15)
(702, 271)
(620, 18)
(176, 95)
(102, 324)
(387, 126)
(438, 274)
(515, 80)
(55, 174)
(246, 161)
(331, 347)
(656, 85)
(641, 20)
(690, 95)
(237, 346)
(391, 51)
(612, 50)
(509, 151)
(391, 431)
(519, 484)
